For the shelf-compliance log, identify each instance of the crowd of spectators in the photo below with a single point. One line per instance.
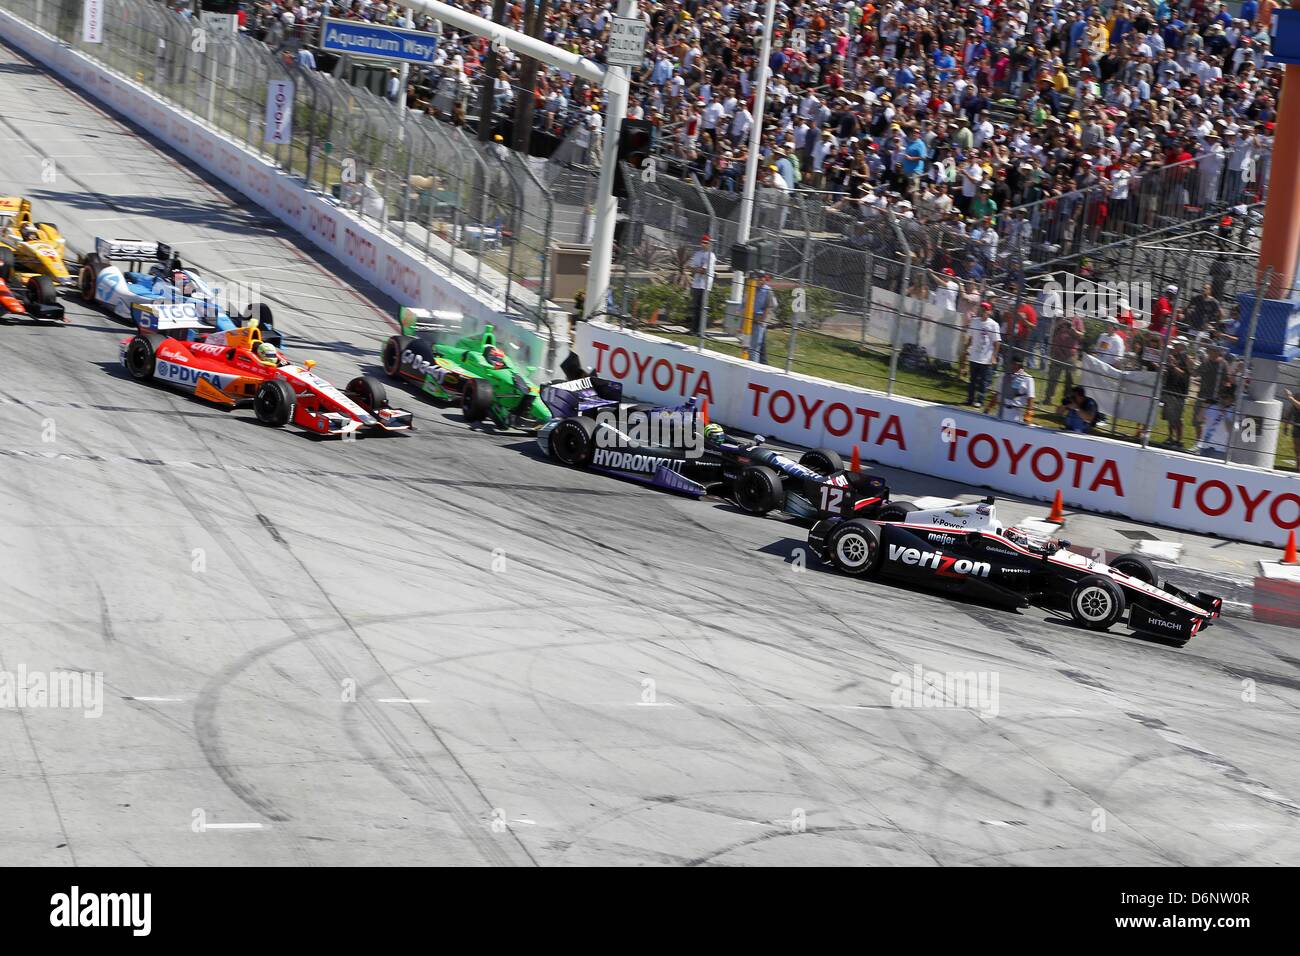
(1023, 129)
(1007, 123)
(1095, 116)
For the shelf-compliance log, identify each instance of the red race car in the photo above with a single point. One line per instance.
(233, 367)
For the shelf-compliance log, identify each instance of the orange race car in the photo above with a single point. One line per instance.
(235, 367)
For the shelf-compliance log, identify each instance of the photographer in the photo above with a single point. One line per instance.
(1080, 411)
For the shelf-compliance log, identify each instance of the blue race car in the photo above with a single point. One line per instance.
(135, 294)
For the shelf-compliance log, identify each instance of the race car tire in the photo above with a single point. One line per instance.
(854, 547)
(822, 460)
(140, 359)
(573, 442)
(896, 511)
(1097, 602)
(758, 489)
(392, 357)
(273, 403)
(41, 290)
(89, 276)
(1137, 566)
(476, 399)
(6, 264)
(367, 392)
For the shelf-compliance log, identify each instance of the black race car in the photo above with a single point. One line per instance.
(963, 549)
(600, 433)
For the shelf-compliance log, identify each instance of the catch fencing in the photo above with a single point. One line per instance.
(478, 210)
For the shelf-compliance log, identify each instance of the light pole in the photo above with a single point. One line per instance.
(755, 141)
(613, 79)
(605, 208)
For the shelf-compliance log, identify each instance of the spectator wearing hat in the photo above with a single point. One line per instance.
(984, 345)
(702, 266)
(1162, 313)
(764, 313)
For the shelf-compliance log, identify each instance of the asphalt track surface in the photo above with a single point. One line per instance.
(439, 648)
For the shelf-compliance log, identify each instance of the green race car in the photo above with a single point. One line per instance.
(472, 370)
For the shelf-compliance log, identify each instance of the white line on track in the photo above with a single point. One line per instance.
(156, 700)
(234, 826)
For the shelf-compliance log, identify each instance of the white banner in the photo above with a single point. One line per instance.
(92, 21)
(1093, 473)
(279, 111)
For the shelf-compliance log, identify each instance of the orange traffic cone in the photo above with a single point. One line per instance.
(704, 411)
(1058, 510)
(1289, 557)
(855, 463)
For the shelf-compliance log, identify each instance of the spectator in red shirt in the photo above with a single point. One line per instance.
(1163, 312)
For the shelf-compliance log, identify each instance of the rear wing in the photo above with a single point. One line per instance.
(566, 399)
(850, 494)
(414, 321)
(168, 316)
(131, 250)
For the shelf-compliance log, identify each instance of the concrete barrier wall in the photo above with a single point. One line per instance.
(366, 252)
(1093, 474)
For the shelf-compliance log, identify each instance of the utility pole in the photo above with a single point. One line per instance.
(534, 26)
(763, 69)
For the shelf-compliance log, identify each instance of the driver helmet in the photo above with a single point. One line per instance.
(29, 232)
(494, 356)
(713, 433)
(182, 281)
(266, 353)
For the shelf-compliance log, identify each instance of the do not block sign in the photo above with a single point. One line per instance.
(626, 45)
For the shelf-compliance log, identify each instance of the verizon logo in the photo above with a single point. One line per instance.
(944, 565)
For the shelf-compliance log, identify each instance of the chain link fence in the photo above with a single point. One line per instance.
(478, 210)
(895, 305)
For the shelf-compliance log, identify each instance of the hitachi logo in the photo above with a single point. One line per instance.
(944, 565)
(628, 461)
(1170, 625)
